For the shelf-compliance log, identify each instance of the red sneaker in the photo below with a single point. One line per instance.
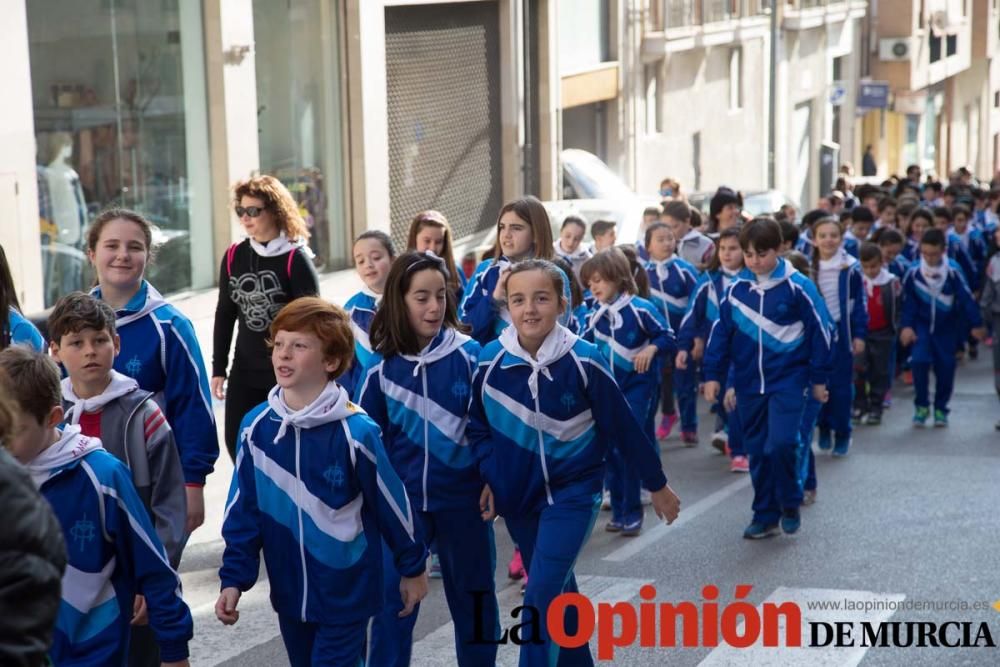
(689, 438)
(908, 378)
(515, 570)
(739, 464)
(666, 426)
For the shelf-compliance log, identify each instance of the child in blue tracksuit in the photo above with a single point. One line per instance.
(773, 329)
(671, 284)
(544, 407)
(417, 390)
(158, 346)
(314, 488)
(839, 278)
(703, 310)
(373, 255)
(631, 333)
(14, 328)
(112, 549)
(937, 308)
(523, 232)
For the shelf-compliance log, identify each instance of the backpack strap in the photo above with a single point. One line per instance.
(288, 266)
(230, 253)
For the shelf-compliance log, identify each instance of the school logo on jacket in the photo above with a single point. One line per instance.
(460, 389)
(335, 476)
(568, 400)
(134, 367)
(83, 532)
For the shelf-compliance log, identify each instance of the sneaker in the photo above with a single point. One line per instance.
(887, 401)
(689, 438)
(908, 378)
(632, 529)
(606, 501)
(758, 531)
(809, 496)
(841, 445)
(645, 497)
(434, 571)
(825, 441)
(524, 584)
(613, 526)
(739, 464)
(515, 569)
(720, 440)
(666, 426)
(873, 419)
(790, 522)
(857, 415)
(940, 418)
(920, 415)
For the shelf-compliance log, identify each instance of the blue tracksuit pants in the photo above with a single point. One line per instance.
(315, 645)
(467, 552)
(771, 424)
(622, 479)
(686, 391)
(836, 413)
(937, 352)
(807, 460)
(550, 542)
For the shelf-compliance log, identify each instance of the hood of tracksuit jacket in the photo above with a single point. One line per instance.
(775, 358)
(575, 259)
(421, 401)
(667, 286)
(65, 453)
(853, 301)
(145, 301)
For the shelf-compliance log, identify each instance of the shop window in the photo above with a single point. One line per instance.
(935, 48)
(951, 45)
(118, 90)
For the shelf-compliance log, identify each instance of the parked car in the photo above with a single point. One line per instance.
(591, 190)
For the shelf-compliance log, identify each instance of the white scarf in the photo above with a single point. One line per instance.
(71, 446)
(279, 246)
(153, 301)
(119, 386)
(332, 404)
(613, 310)
(559, 341)
(582, 252)
(662, 267)
(883, 278)
(934, 276)
(367, 290)
(451, 340)
(728, 278)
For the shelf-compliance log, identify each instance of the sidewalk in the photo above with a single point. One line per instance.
(199, 307)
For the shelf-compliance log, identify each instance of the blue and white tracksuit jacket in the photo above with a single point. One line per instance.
(534, 450)
(486, 316)
(853, 304)
(957, 256)
(932, 315)
(319, 502)
(160, 351)
(361, 309)
(622, 329)
(898, 267)
(113, 554)
(775, 333)
(20, 331)
(422, 404)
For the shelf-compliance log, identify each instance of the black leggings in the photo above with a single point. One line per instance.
(241, 398)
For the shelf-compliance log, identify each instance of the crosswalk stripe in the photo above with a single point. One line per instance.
(653, 534)
(830, 656)
(437, 649)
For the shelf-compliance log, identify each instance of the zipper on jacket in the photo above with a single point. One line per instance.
(423, 372)
(541, 450)
(298, 507)
(760, 343)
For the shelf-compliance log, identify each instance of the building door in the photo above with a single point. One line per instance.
(443, 85)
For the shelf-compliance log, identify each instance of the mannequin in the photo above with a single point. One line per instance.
(69, 212)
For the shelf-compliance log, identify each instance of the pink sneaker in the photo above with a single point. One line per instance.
(666, 426)
(739, 464)
(515, 570)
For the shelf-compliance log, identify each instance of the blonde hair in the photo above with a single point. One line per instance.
(436, 220)
(278, 200)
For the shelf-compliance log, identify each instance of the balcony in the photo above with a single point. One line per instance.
(807, 14)
(672, 14)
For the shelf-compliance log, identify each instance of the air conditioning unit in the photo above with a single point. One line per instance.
(895, 48)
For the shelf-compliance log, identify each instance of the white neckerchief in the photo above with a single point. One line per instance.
(581, 252)
(119, 386)
(559, 341)
(662, 267)
(332, 404)
(883, 278)
(72, 445)
(279, 246)
(728, 277)
(450, 341)
(612, 310)
(934, 276)
(370, 292)
(153, 301)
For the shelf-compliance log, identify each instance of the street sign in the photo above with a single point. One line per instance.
(873, 95)
(838, 93)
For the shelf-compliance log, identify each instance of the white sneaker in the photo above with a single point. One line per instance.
(719, 440)
(606, 501)
(645, 497)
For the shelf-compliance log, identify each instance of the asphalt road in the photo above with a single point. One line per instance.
(910, 517)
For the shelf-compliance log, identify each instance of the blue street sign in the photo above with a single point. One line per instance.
(873, 95)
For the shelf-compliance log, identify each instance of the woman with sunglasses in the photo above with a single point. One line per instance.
(258, 276)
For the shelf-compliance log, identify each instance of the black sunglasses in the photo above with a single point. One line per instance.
(252, 211)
